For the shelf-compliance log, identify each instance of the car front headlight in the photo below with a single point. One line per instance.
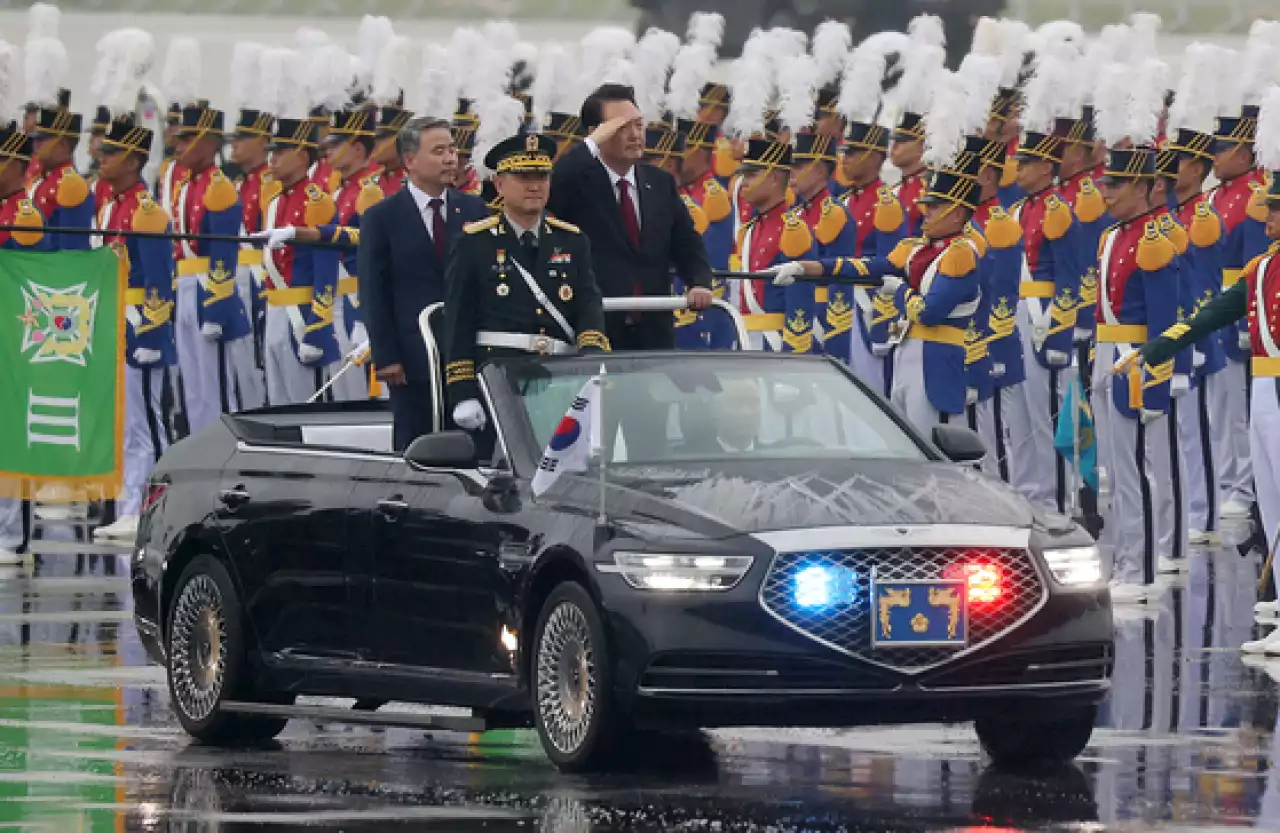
(675, 572)
(1075, 566)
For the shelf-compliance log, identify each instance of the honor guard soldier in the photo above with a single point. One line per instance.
(171, 173)
(1192, 121)
(519, 282)
(300, 345)
(938, 297)
(391, 120)
(249, 152)
(16, 209)
(924, 60)
(1049, 296)
(1138, 293)
(149, 304)
(98, 188)
(1009, 41)
(699, 185)
(60, 193)
(348, 146)
(212, 324)
(1243, 219)
(464, 140)
(1079, 191)
(1255, 298)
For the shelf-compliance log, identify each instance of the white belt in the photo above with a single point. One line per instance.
(542, 345)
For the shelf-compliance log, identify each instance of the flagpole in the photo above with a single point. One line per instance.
(603, 451)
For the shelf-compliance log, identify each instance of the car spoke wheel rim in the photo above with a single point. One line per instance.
(198, 648)
(567, 680)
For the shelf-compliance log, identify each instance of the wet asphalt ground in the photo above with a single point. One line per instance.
(87, 743)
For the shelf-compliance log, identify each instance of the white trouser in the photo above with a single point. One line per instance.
(10, 524)
(1230, 416)
(289, 381)
(354, 384)
(866, 365)
(145, 435)
(908, 394)
(250, 380)
(1169, 483)
(1202, 453)
(982, 419)
(1039, 473)
(207, 367)
(1125, 452)
(1264, 441)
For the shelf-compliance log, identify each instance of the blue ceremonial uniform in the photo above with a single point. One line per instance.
(1202, 264)
(782, 315)
(712, 210)
(1091, 221)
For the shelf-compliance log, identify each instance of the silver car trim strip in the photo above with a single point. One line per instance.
(895, 535)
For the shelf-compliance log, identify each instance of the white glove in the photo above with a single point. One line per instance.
(970, 396)
(785, 274)
(276, 238)
(1180, 386)
(1149, 417)
(211, 331)
(469, 414)
(1057, 358)
(891, 285)
(144, 356)
(309, 354)
(1039, 333)
(359, 335)
(1082, 335)
(1122, 363)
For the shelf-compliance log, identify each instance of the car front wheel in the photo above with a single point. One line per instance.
(572, 683)
(207, 658)
(1054, 739)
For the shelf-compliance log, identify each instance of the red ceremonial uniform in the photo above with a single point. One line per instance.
(17, 210)
(101, 193)
(289, 209)
(909, 191)
(393, 181)
(759, 246)
(251, 187)
(348, 193)
(325, 176)
(862, 203)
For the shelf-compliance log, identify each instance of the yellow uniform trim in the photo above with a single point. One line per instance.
(1036, 289)
(348, 286)
(291, 297)
(1122, 334)
(820, 295)
(1267, 367)
(765, 322)
(941, 334)
(250, 257)
(193, 266)
(135, 297)
(1231, 277)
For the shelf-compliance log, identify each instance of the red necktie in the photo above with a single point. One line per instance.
(437, 226)
(628, 208)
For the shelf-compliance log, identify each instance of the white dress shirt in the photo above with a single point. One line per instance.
(423, 200)
(614, 179)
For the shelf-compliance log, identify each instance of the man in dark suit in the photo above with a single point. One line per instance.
(404, 249)
(639, 228)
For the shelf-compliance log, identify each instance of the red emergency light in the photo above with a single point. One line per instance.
(983, 580)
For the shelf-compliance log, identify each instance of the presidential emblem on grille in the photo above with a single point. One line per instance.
(904, 608)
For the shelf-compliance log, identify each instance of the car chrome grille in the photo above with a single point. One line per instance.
(848, 628)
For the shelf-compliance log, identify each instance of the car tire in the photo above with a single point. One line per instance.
(207, 658)
(1046, 742)
(571, 683)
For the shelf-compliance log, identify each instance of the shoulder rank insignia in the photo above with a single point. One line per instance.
(563, 226)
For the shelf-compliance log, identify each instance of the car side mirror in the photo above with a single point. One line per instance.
(960, 444)
(443, 450)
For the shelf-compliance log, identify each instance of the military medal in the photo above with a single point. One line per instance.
(502, 257)
(503, 290)
(566, 292)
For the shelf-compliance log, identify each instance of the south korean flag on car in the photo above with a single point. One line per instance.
(576, 438)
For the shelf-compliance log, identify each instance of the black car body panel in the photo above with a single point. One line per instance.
(363, 576)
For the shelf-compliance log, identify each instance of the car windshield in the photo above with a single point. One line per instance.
(715, 408)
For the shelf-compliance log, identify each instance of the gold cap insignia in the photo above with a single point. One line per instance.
(531, 142)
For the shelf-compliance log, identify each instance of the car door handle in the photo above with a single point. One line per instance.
(234, 498)
(392, 507)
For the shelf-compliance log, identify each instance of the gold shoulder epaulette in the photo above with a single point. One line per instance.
(369, 196)
(831, 221)
(72, 189)
(221, 193)
(974, 233)
(1001, 230)
(960, 258)
(320, 207)
(30, 218)
(904, 250)
(484, 225)
(716, 201)
(149, 216)
(1155, 250)
(1057, 217)
(1089, 202)
(561, 224)
(1177, 234)
(797, 239)
(1206, 228)
(889, 215)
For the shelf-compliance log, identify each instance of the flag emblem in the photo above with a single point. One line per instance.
(57, 323)
(575, 439)
(567, 433)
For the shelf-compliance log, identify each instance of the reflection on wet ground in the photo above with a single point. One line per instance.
(87, 743)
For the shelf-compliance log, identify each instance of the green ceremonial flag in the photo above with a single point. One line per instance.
(61, 371)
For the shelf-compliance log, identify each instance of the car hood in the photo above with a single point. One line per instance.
(734, 498)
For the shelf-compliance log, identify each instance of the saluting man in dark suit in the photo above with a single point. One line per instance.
(404, 251)
(519, 281)
(639, 228)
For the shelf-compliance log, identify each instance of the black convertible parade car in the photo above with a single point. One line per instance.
(762, 541)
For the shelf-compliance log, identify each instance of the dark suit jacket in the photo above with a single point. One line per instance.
(582, 194)
(400, 274)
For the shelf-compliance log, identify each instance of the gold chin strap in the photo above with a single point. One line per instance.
(200, 134)
(933, 223)
(765, 174)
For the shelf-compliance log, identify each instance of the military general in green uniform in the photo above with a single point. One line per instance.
(519, 282)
